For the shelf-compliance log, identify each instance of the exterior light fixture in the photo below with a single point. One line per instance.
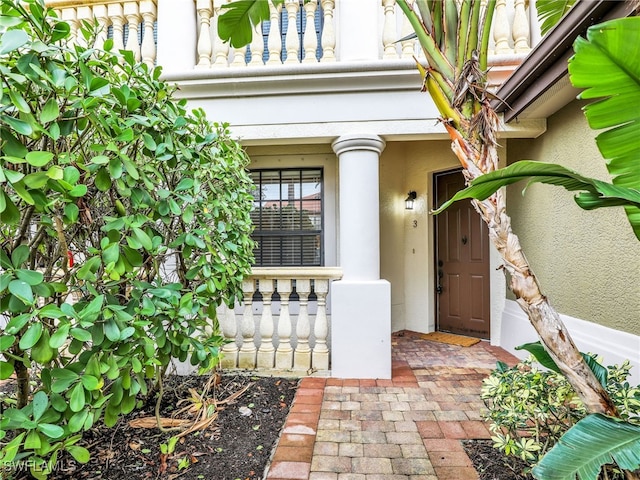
(411, 198)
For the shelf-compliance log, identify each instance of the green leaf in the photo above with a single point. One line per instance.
(51, 431)
(592, 442)
(80, 454)
(143, 238)
(236, 23)
(31, 336)
(551, 11)
(29, 276)
(59, 336)
(12, 40)
(50, 111)
(103, 180)
(607, 66)
(10, 450)
(20, 255)
(77, 399)
(39, 403)
(89, 382)
(21, 290)
(6, 341)
(38, 159)
(80, 334)
(111, 330)
(20, 126)
(6, 370)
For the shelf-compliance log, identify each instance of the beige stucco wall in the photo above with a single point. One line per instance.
(406, 236)
(588, 263)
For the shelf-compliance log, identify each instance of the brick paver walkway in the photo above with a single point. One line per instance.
(406, 428)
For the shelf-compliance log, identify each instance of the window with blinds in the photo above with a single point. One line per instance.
(287, 217)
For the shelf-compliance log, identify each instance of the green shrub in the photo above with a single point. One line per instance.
(124, 223)
(529, 409)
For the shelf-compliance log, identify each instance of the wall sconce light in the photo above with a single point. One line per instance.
(411, 198)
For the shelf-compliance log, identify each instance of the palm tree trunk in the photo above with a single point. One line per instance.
(478, 158)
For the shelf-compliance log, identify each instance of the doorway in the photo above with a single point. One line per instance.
(461, 264)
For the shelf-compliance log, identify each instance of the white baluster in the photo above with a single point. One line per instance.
(266, 350)
(84, 14)
(408, 46)
(257, 46)
(310, 38)
(501, 28)
(220, 48)
(69, 15)
(292, 41)
(239, 57)
(320, 356)
(148, 48)
(275, 41)
(520, 28)
(328, 39)
(247, 353)
(302, 355)
(389, 31)
(284, 353)
(102, 17)
(116, 15)
(133, 24)
(229, 331)
(204, 48)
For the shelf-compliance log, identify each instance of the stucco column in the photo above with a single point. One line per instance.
(361, 301)
(176, 35)
(358, 159)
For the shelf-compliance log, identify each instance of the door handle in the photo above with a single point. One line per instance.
(439, 289)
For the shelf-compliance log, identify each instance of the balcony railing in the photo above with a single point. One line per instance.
(297, 32)
(283, 323)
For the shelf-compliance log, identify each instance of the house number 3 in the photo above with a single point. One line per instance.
(415, 223)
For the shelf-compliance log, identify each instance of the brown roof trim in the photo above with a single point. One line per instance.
(547, 62)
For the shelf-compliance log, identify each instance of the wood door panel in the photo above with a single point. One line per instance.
(462, 263)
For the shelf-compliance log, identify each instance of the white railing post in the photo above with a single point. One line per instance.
(266, 350)
(407, 45)
(257, 47)
(275, 42)
(302, 355)
(69, 15)
(501, 28)
(83, 13)
(116, 15)
(310, 39)
(229, 331)
(291, 41)
(328, 40)
(239, 57)
(205, 10)
(320, 356)
(133, 24)
(220, 48)
(520, 28)
(148, 47)
(247, 352)
(102, 17)
(389, 30)
(284, 353)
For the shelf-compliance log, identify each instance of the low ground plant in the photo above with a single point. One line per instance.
(529, 408)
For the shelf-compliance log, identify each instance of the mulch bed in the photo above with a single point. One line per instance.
(238, 445)
(492, 464)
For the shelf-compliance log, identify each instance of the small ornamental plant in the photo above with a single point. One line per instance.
(529, 408)
(124, 223)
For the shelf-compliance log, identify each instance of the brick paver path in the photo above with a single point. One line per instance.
(406, 428)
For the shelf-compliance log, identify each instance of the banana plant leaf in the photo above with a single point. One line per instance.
(592, 442)
(236, 24)
(543, 358)
(551, 11)
(593, 193)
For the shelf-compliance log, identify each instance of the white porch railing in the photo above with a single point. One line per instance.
(288, 328)
(297, 32)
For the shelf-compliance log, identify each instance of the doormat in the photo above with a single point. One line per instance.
(450, 338)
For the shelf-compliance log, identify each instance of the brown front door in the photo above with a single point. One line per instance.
(462, 263)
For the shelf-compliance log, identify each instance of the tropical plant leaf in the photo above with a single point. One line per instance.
(593, 193)
(543, 358)
(550, 12)
(592, 442)
(607, 66)
(236, 24)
